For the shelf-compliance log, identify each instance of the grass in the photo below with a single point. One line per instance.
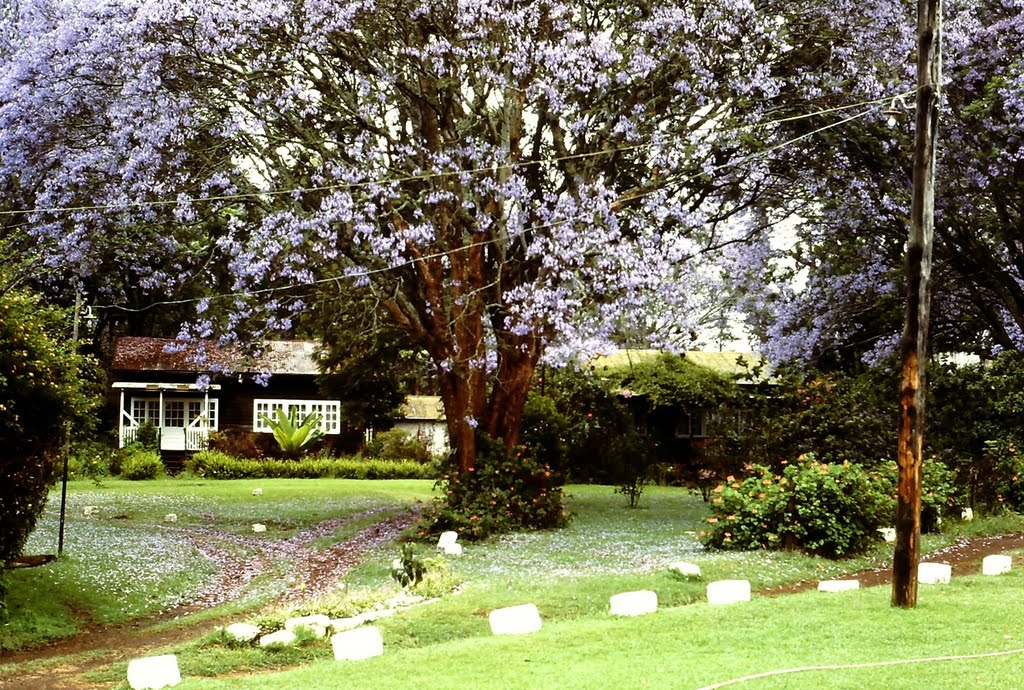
(700, 645)
(608, 548)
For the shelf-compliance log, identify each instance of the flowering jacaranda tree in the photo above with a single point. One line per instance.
(508, 179)
(851, 200)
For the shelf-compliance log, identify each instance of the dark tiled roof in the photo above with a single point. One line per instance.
(162, 354)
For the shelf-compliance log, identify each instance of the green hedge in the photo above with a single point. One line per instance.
(213, 464)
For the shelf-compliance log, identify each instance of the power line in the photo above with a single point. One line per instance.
(366, 273)
(425, 176)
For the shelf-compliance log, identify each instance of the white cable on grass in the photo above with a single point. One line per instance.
(869, 664)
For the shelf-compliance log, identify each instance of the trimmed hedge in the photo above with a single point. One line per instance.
(213, 464)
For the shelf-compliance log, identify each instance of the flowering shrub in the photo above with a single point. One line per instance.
(506, 490)
(831, 510)
(214, 464)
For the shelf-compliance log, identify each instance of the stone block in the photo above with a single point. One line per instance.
(342, 624)
(967, 514)
(243, 632)
(316, 624)
(838, 585)
(454, 549)
(446, 538)
(91, 510)
(888, 533)
(996, 565)
(728, 591)
(515, 620)
(257, 527)
(685, 569)
(636, 603)
(171, 517)
(281, 637)
(361, 643)
(257, 491)
(934, 573)
(153, 672)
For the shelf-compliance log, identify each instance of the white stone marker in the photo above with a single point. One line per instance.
(257, 491)
(453, 549)
(934, 573)
(153, 672)
(282, 637)
(243, 632)
(317, 624)
(685, 569)
(92, 510)
(361, 643)
(728, 591)
(838, 585)
(171, 517)
(257, 527)
(637, 603)
(342, 624)
(515, 620)
(967, 514)
(888, 533)
(996, 565)
(446, 538)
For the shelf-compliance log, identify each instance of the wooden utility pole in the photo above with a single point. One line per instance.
(914, 345)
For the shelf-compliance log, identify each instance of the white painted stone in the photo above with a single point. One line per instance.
(316, 624)
(454, 549)
(282, 637)
(685, 569)
(361, 643)
(153, 672)
(342, 624)
(446, 538)
(367, 616)
(171, 517)
(515, 620)
(934, 573)
(243, 632)
(257, 491)
(996, 565)
(838, 585)
(636, 603)
(967, 514)
(92, 510)
(257, 527)
(728, 591)
(888, 533)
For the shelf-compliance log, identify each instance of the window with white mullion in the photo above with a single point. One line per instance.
(330, 413)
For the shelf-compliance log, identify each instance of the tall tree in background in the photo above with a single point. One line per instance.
(852, 186)
(505, 179)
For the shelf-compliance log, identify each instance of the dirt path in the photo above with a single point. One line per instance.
(312, 573)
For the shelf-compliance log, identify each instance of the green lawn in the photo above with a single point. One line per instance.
(569, 574)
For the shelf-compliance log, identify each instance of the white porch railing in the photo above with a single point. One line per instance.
(196, 438)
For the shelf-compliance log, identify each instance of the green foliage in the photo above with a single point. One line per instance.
(243, 444)
(830, 510)
(140, 463)
(214, 464)
(940, 495)
(545, 430)
(42, 396)
(293, 437)
(148, 435)
(396, 444)
(1003, 484)
(632, 457)
(93, 460)
(505, 491)
(409, 568)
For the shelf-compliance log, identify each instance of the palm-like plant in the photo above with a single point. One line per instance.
(291, 436)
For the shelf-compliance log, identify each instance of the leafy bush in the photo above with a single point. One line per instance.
(243, 444)
(408, 569)
(504, 491)
(214, 464)
(42, 395)
(1003, 470)
(140, 463)
(292, 436)
(831, 510)
(92, 460)
(396, 444)
(632, 458)
(148, 435)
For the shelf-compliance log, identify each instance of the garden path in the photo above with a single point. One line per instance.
(310, 573)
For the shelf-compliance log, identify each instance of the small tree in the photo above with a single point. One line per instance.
(40, 390)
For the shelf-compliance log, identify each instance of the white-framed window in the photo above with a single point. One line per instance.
(330, 413)
(146, 409)
(692, 424)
